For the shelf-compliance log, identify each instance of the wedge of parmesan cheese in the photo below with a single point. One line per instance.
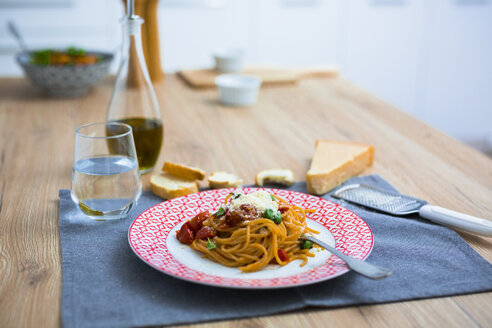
(334, 162)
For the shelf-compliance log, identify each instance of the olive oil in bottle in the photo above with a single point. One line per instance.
(133, 100)
(147, 134)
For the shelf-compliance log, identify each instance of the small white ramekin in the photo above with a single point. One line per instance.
(237, 89)
(229, 60)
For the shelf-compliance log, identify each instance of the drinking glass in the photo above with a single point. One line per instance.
(105, 177)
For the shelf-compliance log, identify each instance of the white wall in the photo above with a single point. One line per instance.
(456, 95)
(431, 58)
(189, 34)
(383, 48)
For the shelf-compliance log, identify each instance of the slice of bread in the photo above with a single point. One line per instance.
(334, 162)
(170, 186)
(221, 179)
(187, 172)
(276, 176)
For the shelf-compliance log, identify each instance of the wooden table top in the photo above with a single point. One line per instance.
(36, 153)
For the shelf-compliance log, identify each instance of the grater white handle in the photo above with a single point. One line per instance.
(457, 220)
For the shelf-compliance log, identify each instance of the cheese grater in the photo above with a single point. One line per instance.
(398, 204)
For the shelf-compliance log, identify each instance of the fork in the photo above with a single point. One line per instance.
(366, 269)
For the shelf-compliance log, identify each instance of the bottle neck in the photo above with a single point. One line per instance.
(133, 95)
(132, 52)
(132, 32)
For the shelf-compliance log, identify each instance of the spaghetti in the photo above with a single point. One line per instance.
(250, 231)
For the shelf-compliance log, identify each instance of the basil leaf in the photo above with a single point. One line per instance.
(277, 217)
(210, 244)
(273, 198)
(268, 214)
(274, 216)
(220, 212)
(306, 244)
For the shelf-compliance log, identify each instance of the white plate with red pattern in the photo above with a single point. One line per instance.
(152, 236)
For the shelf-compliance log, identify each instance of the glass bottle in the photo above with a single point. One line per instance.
(133, 100)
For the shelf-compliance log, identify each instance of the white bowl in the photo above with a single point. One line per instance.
(238, 90)
(229, 60)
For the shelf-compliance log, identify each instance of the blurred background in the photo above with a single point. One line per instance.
(430, 58)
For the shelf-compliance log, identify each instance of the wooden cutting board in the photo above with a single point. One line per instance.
(205, 78)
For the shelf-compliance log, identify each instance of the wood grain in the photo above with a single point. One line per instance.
(36, 149)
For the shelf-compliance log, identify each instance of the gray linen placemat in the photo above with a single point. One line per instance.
(106, 285)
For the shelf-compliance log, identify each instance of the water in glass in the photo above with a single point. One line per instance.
(105, 179)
